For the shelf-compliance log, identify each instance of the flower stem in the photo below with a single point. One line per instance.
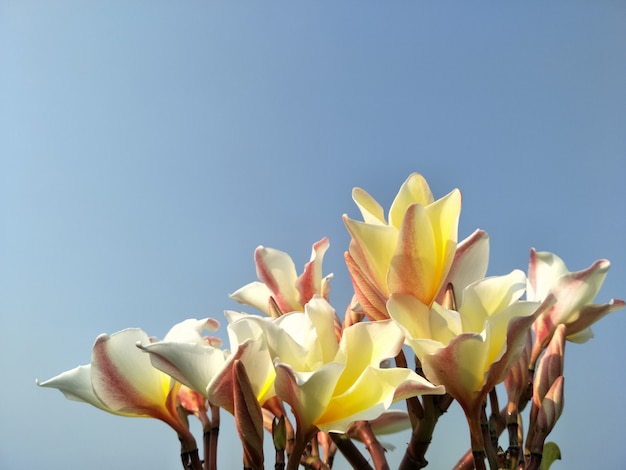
(434, 407)
(299, 446)
(350, 451)
(213, 435)
(488, 446)
(476, 437)
(376, 450)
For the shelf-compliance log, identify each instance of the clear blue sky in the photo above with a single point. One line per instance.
(146, 149)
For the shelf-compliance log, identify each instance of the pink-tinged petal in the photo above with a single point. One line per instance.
(413, 267)
(123, 377)
(390, 422)
(425, 249)
(589, 314)
(544, 269)
(308, 393)
(460, 368)
(579, 288)
(371, 211)
(75, 384)
(469, 265)
(516, 380)
(253, 353)
(248, 417)
(191, 330)
(574, 292)
(414, 190)
(516, 339)
(310, 281)
(368, 296)
(276, 269)
(550, 365)
(551, 407)
(255, 294)
(192, 401)
(192, 364)
(372, 248)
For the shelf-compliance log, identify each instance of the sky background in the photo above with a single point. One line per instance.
(146, 149)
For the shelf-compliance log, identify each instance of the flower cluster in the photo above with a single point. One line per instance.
(316, 382)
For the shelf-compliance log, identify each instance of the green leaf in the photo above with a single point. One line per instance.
(551, 452)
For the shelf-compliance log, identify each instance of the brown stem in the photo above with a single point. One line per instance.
(513, 428)
(434, 407)
(479, 459)
(314, 463)
(376, 450)
(299, 446)
(490, 451)
(535, 461)
(213, 436)
(476, 437)
(191, 460)
(350, 451)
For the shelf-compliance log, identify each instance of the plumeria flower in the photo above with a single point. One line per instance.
(469, 350)
(575, 293)
(121, 380)
(338, 382)
(280, 289)
(410, 253)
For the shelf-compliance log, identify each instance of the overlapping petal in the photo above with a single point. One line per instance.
(353, 386)
(186, 355)
(411, 254)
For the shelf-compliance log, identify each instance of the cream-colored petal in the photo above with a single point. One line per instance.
(192, 364)
(544, 269)
(372, 248)
(371, 211)
(191, 330)
(308, 393)
(470, 263)
(75, 384)
(488, 296)
(123, 377)
(322, 315)
(366, 344)
(255, 294)
(414, 190)
(370, 395)
(425, 250)
(255, 356)
(411, 315)
(276, 269)
(309, 283)
(413, 268)
(460, 367)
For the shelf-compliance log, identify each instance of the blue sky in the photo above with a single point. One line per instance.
(146, 149)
